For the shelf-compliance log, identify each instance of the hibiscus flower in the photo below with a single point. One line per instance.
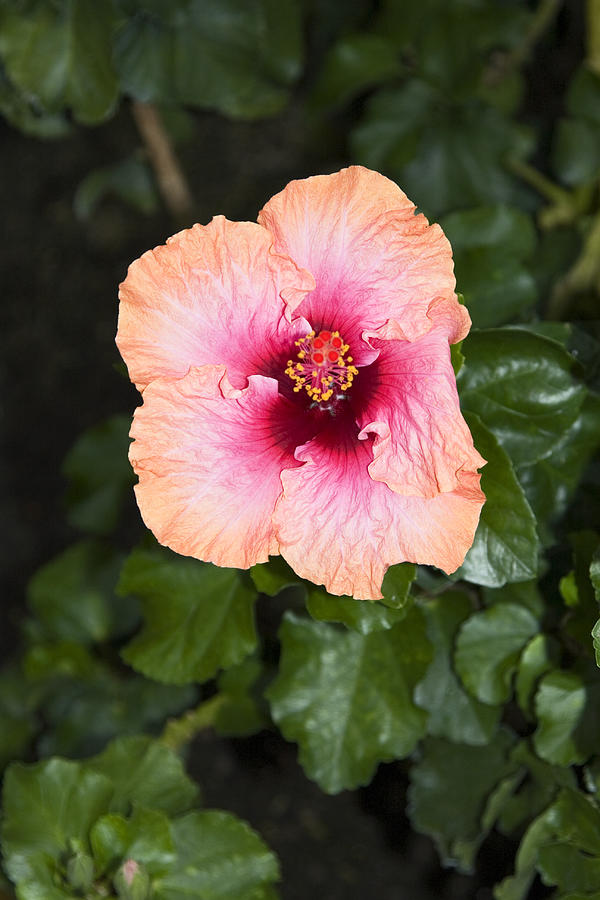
(298, 393)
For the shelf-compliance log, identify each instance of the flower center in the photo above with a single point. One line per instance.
(322, 369)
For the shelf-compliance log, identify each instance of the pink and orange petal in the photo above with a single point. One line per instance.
(338, 527)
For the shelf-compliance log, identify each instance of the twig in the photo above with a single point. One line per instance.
(172, 183)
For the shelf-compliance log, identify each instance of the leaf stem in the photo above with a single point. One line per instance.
(172, 182)
(563, 208)
(541, 20)
(583, 276)
(593, 35)
(178, 732)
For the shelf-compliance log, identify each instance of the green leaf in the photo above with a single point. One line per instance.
(98, 469)
(396, 585)
(446, 155)
(360, 615)
(272, 577)
(49, 809)
(524, 593)
(550, 483)
(489, 246)
(25, 113)
(566, 707)
(354, 63)
(240, 713)
(448, 791)
(541, 654)
(506, 545)
(453, 713)
(17, 719)
(144, 772)
(129, 180)
(575, 156)
(583, 95)
(488, 648)
(145, 838)
(522, 388)
(346, 698)
(538, 787)
(563, 845)
(61, 53)
(85, 709)
(198, 618)
(235, 56)
(73, 595)
(583, 611)
(218, 856)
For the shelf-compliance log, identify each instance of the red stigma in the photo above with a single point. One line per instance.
(322, 368)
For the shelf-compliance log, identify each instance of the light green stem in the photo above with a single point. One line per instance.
(563, 208)
(593, 35)
(181, 731)
(542, 18)
(583, 276)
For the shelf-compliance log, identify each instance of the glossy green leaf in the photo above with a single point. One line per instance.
(61, 53)
(522, 388)
(346, 698)
(197, 618)
(506, 545)
(453, 713)
(488, 648)
(49, 809)
(144, 772)
(234, 56)
(73, 596)
(360, 615)
(448, 791)
(354, 63)
(583, 604)
(218, 856)
(566, 707)
(551, 482)
(489, 246)
(396, 585)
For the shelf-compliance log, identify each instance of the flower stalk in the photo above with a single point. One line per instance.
(179, 732)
